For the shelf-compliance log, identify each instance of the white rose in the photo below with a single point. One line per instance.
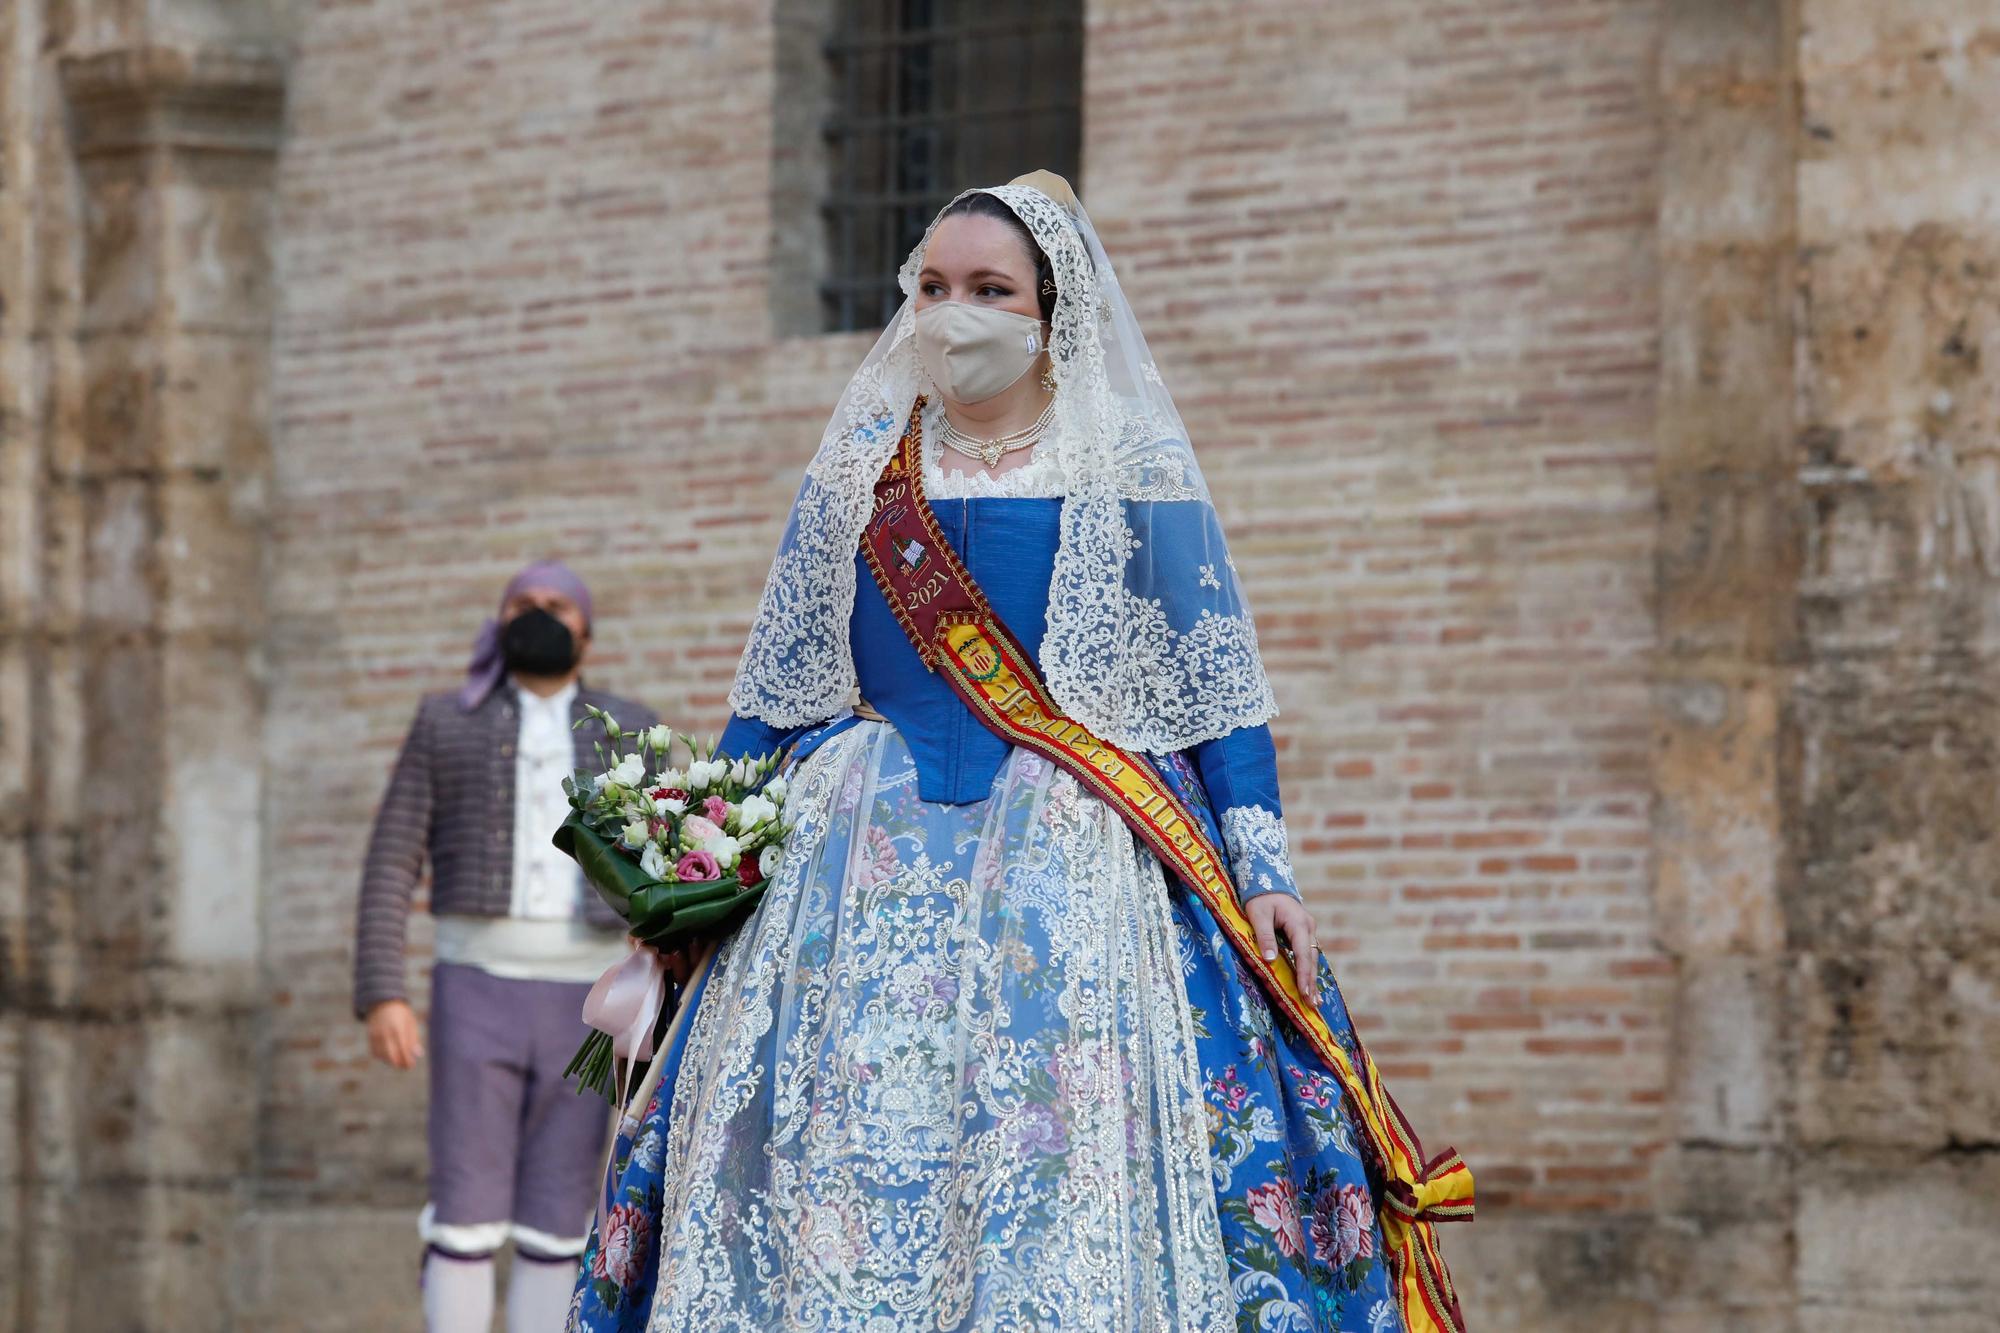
(659, 738)
(770, 859)
(669, 805)
(754, 811)
(725, 849)
(705, 773)
(775, 789)
(744, 772)
(653, 861)
(635, 835)
(628, 772)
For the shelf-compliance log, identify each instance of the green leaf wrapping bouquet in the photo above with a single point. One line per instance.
(682, 851)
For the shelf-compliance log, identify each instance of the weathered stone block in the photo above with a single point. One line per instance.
(195, 1124)
(64, 723)
(210, 799)
(1703, 39)
(120, 420)
(16, 744)
(1729, 1057)
(186, 1283)
(15, 936)
(1900, 106)
(1554, 1274)
(1895, 1050)
(216, 404)
(1900, 330)
(1722, 1238)
(216, 259)
(1726, 545)
(121, 239)
(1777, 1317)
(1728, 158)
(65, 558)
(1900, 1241)
(124, 577)
(52, 975)
(318, 1269)
(212, 531)
(1726, 364)
(1716, 818)
(1898, 841)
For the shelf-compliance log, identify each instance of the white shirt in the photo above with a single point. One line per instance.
(544, 936)
(547, 884)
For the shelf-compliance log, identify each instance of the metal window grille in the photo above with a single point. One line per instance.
(932, 97)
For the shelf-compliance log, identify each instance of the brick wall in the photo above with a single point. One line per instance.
(1398, 267)
(1396, 261)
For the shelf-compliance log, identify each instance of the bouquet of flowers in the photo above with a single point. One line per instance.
(681, 850)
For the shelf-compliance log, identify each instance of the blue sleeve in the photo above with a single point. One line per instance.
(1240, 772)
(752, 738)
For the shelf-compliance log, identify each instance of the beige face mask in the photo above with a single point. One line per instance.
(973, 351)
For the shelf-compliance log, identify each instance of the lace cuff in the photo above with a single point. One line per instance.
(1259, 853)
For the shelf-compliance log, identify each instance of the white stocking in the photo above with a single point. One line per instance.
(538, 1293)
(458, 1294)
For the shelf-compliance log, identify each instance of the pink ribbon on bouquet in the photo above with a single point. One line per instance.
(631, 1111)
(625, 1003)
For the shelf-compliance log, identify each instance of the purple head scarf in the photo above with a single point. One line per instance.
(489, 666)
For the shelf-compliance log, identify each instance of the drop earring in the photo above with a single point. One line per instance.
(1049, 376)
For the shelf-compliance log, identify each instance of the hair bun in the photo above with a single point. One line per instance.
(1052, 185)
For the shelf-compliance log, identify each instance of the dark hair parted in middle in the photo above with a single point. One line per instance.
(988, 206)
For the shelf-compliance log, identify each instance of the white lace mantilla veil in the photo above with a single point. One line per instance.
(1149, 640)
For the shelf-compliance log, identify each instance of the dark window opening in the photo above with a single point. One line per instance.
(928, 98)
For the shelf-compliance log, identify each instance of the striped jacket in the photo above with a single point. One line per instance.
(451, 801)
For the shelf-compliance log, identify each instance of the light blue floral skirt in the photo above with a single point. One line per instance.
(982, 1067)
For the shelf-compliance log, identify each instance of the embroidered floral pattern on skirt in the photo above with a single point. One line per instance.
(982, 1067)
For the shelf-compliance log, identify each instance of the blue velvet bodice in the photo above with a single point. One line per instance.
(1009, 546)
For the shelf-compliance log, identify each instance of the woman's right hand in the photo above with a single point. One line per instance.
(393, 1035)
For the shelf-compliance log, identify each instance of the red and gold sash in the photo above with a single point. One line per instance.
(956, 633)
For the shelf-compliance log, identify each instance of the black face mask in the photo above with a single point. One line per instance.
(535, 643)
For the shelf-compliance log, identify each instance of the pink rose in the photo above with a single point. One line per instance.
(1273, 1207)
(694, 867)
(1357, 1223)
(1343, 1226)
(620, 1245)
(716, 809)
(694, 826)
(879, 862)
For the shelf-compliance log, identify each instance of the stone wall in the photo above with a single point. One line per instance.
(1830, 224)
(1591, 389)
(141, 149)
(1892, 915)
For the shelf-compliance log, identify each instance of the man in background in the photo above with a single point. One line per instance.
(477, 791)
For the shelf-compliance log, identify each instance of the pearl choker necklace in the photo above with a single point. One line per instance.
(992, 451)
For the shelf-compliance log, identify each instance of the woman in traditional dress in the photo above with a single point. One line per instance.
(979, 1060)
